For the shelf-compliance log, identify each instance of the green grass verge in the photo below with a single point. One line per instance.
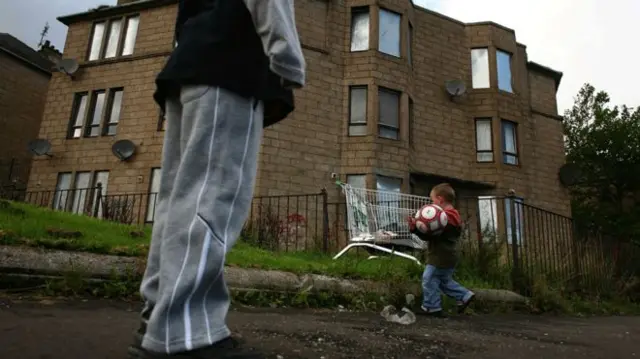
(26, 225)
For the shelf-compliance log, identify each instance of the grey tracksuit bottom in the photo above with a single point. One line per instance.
(209, 165)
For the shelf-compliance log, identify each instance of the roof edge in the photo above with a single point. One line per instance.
(546, 71)
(29, 63)
(113, 10)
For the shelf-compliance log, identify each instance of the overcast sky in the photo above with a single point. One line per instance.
(585, 39)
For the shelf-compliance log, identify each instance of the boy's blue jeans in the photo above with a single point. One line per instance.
(435, 280)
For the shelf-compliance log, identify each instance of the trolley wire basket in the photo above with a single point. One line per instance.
(378, 220)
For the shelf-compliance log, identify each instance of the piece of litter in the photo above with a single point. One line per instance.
(389, 313)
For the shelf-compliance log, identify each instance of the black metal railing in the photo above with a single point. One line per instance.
(505, 243)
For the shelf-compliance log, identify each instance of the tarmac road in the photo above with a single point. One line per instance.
(102, 330)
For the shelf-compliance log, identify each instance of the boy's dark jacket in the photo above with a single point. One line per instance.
(443, 247)
(218, 46)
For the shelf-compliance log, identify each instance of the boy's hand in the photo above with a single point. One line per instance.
(412, 224)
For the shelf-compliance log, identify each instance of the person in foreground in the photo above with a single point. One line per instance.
(232, 73)
(442, 257)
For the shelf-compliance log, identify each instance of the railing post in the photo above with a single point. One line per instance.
(96, 206)
(325, 221)
(515, 271)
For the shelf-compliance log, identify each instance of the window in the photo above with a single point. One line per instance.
(357, 181)
(411, 120)
(518, 209)
(410, 44)
(510, 142)
(503, 60)
(484, 146)
(63, 186)
(389, 33)
(389, 112)
(358, 111)
(102, 116)
(130, 35)
(113, 38)
(77, 115)
(388, 201)
(81, 186)
(113, 112)
(154, 188)
(488, 217)
(480, 68)
(359, 29)
(102, 178)
(95, 113)
(73, 192)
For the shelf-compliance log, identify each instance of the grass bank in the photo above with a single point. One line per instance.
(25, 225)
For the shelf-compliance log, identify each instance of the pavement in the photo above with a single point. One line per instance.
(51, 329)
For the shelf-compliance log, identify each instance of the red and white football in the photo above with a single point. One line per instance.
(431, 219)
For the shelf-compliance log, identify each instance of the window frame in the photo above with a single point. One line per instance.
(364, 124)
(492, 222)
(411, 125)
(479, 152)
(75, 111)
(88, 122)
(410, 44)
(90, 109)
(488, 68)
(359, 10)
(519, 208)
(149, 212)
(104, 41)
(109, 111)
(353, 175)
(386, 126)
(399, 15)
(510, 56)
(516, 139)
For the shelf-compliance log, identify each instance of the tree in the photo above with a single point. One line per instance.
(603, 142)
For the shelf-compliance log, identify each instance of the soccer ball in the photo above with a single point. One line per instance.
(431, 219)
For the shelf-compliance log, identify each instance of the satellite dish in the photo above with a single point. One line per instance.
(40, 147)
(569, 174)
(123, 149)
(68, 66)
(455, 88)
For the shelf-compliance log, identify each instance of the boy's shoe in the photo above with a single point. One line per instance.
(463, 306)
(229, 348)
(433, 313)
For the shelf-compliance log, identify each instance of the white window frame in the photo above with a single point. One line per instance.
(480, 74)
(88, 114)
(503, 71)
(152, 196)
(484, 154)
(357, 180)
(360, 29)
(358, 127)
(488, 217)
(510, 157)
(113, 38)
(386, 126)
(390, 22)
(519, 209)
(388, 201)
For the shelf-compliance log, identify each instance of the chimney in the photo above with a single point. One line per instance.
(50, 52)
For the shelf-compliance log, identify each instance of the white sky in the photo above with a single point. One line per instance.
(585, 39)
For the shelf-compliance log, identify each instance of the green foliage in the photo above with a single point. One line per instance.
(604, 143)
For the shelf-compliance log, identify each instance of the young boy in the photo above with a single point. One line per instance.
(442, 258)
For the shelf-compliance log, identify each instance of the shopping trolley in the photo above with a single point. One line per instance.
(378, 220)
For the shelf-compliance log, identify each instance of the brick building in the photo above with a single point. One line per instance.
(375, 110)
(24, 81)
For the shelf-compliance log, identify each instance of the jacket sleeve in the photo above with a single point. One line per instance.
(275, 23)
